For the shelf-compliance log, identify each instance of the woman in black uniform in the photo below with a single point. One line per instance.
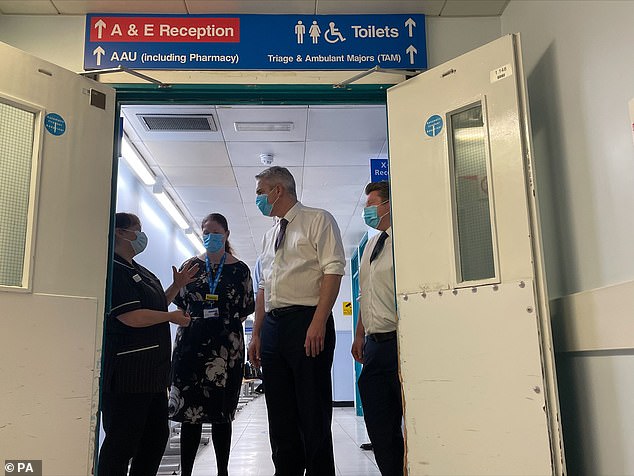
(208, 360)
(137, 352)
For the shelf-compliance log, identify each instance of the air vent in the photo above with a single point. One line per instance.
(178, 122)
(263, 126)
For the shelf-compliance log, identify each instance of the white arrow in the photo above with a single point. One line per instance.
(409, 24)
(411, 51)
(100, 25)
(99, 51)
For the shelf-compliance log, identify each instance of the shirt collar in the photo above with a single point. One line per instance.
(118, 259)
(292, 213)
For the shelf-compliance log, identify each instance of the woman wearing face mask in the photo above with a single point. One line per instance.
(137, 351)
(208, 360)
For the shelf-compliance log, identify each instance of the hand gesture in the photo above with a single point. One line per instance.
(185, 276)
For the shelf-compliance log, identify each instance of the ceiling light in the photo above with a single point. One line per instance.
(166, 201)
(263, 126)
(195, 240)
(136, 162)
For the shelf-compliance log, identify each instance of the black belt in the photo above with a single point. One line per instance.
(283, 311)
(382, 336)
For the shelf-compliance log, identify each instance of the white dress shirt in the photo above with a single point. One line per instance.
(376, 280)
(312, 247)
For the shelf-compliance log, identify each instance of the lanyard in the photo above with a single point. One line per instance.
(214, 285)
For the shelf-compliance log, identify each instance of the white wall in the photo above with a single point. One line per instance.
(580, 75)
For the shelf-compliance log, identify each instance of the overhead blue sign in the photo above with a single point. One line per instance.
(255, 42)
(379, 170)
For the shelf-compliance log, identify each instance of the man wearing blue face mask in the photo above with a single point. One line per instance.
(293, 334)
(375, 344)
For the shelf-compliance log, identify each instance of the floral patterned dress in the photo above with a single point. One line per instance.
(208, 358)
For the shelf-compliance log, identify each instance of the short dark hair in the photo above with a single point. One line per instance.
(277, 175)
(222, 221)
(382, 187)
(125, 220)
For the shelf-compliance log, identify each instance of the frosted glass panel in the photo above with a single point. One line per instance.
(472, 213)
(16, 154)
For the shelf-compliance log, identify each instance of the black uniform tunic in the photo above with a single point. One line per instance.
(137, 359)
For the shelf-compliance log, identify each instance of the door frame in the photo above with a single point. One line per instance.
(224, 94)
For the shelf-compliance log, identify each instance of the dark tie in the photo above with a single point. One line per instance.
(379, 246)
(280, 234)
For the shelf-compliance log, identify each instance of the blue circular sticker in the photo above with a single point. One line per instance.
(433, 126)
(55, 124)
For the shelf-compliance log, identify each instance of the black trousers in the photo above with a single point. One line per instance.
(136, 429)
(380, 390)
(298, 394)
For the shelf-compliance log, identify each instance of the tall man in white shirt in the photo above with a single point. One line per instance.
(375, 343)
(293, 334)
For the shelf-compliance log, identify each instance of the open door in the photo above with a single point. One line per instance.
(56, 131)
(475, 343)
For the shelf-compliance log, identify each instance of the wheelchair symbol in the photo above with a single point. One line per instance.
(333, 35)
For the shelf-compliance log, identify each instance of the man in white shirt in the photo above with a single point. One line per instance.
(293, 334)
(375, 344)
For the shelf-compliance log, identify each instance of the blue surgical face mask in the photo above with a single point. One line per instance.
(213, 242)
(371, 215)
(139, 243)
(262, 202)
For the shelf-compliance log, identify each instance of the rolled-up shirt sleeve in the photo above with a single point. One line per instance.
(125, 296)
(330, 252)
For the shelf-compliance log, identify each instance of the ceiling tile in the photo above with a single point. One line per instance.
(467, 8)
(428, 7)
(342, 153)
(181, 176)
(209, 154)
(329, 123)
(323, 178)
(245, 176)
(247, 154)
(250, 6)
(228, 115)
(31, 7)
(80, 7)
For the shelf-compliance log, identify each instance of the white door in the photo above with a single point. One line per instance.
(476, 355)
(56, 131)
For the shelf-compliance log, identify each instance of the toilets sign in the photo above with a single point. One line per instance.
(255, 42)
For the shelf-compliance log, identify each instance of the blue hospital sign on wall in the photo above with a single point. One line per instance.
(255, 42)
(379, 170)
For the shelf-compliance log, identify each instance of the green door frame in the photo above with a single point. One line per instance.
(229, 94)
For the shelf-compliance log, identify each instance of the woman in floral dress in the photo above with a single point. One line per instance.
(208, 359)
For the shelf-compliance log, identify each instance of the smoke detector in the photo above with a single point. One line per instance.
(266, 159)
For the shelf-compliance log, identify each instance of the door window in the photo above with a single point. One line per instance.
(17, 130)
(472, 208)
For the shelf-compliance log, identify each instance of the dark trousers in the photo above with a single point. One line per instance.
(380, 390)
(136, 429)
(298, 394)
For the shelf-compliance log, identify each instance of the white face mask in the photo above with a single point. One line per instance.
(139, 243)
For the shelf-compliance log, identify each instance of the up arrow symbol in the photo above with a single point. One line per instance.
(99, 51)
(410, 24)
(411, 51)
(100, 25)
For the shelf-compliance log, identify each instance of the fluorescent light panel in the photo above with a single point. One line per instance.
(136, 163)
(171, 209)
(193, 238)
(263, 126)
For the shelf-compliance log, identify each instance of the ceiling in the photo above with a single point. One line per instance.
(442, 8)
(327, 149)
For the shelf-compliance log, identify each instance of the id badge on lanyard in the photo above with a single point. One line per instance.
(211, 300)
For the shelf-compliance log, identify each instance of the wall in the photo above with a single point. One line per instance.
(577, 58)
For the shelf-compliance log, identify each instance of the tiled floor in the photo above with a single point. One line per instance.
(251, 452)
